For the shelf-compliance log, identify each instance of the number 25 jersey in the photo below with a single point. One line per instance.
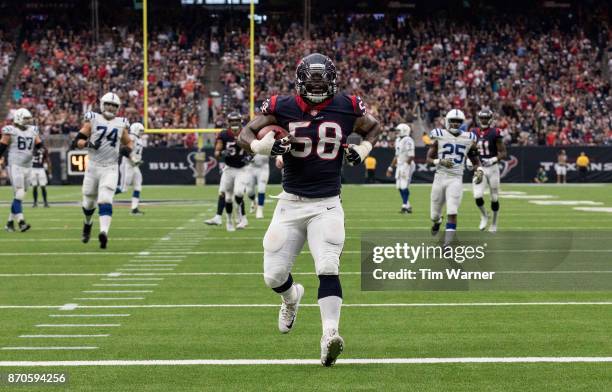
(108, 134)
(454, 148)
(313, 166)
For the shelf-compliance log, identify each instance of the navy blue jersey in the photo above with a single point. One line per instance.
(39, 158)
(312, 167)
(234, 155)
(486, 140)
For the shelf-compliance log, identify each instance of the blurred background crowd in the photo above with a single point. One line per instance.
(545, 75)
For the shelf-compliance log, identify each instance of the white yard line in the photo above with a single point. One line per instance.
(115, 291)
(349, 305)
(109, 299)
(145, 269)
(91, 315)
(76, 325)
(123, 279)
(150, 265)
(125, 285)
(49, 348)
(309, 362)
(125, 275)
(258, 252)
(65, 336)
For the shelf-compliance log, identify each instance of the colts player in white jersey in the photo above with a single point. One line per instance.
(448, 152)
(404, 165)
(259, 173)
(129, 170)
(102, 135)
(20, 138)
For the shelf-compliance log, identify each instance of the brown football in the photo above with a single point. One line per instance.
(279, 132)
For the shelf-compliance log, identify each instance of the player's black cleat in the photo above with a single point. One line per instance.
(103, 238)
(23, 227)
(10, 226)
(406, 210)
(136, 211)
(435, 228)
(86, 232)
(34, 205)
(46, 205)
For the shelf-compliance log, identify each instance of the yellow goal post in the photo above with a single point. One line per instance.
(145, 46)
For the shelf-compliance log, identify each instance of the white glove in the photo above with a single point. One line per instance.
(478, 175)
(269, 146)
(446, 162)
(357, 154)
(486, 162)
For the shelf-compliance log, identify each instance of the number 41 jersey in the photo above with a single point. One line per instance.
(21, 147)
(454, 148)
(312, 167)
(108, 134)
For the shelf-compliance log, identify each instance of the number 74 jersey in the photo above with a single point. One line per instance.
(454, 148)
(108, 134)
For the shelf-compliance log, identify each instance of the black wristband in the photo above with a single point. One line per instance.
(79, 136)
(125, 151)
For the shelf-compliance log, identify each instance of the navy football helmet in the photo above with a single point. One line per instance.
(234, 121)
(485, 118)
(315, 78)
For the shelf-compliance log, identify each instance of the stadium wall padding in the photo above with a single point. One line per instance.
(177, 166)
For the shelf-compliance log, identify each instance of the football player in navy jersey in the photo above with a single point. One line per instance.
(319, 119)
(491, 150)
(234, 176)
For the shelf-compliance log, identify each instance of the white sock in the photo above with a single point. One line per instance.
(330, 312)
(290, 295)
(105, 222)
(135, 201)
(19, 217)
(11, 217)
(483, 211)
(449, 235)
(494, 223)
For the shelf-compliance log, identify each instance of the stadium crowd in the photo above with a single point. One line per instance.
(544, 79)
(7, 55)
(65, 73)
(544, 82)
(177, 67)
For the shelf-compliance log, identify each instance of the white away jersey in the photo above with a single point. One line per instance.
(454, 148)
(108, 133)
(21, 146)
(404, 149)
(260, 161)
(137, 147)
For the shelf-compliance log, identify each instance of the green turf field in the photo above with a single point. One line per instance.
(170, 288)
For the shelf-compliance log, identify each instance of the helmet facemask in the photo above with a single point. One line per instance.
(234, 122)
(485, 120)
(316, 82)
(109, 109)
(453, 125)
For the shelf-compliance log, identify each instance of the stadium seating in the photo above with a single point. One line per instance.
(405, 71)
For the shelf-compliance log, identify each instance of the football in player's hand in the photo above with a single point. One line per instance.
(279, 132)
